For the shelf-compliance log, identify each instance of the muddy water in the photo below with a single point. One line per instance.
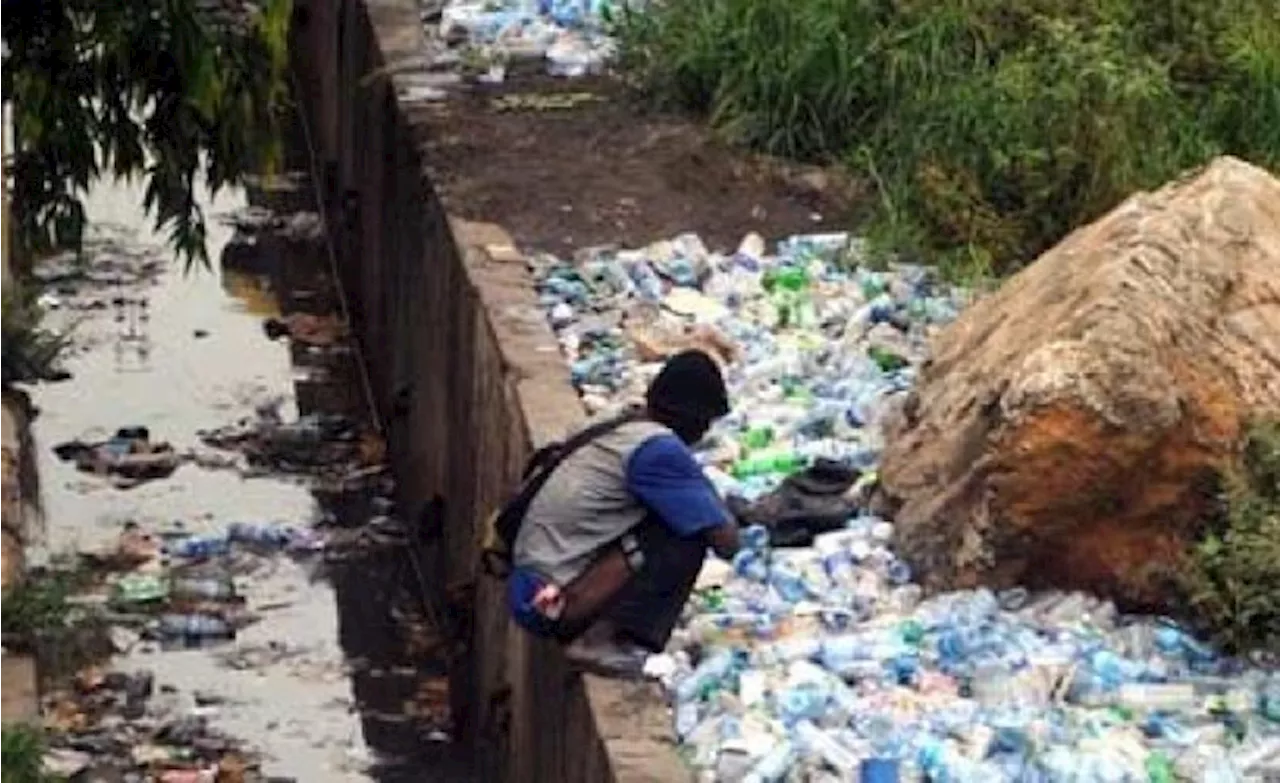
(195, 357)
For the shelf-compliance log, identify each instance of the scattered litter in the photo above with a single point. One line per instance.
(110, 728)
(315, 445)
(130, 457)
(567, 35)
(181, 575)
(543, 102)
(814, 657)
(307, 329)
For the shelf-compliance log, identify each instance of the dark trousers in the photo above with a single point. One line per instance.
(647, 607)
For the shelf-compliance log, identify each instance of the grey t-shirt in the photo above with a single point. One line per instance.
(584, 505)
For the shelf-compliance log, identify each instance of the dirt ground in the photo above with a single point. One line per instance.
(564, 164)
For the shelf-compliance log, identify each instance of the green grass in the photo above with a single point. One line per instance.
(988, 129)
(40, 603)
(31, 352)
(1232, 575)
(22, 755)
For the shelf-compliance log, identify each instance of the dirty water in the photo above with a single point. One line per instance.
(180, 354)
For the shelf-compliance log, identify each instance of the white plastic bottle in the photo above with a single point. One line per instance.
(774, 765)
(828, 748)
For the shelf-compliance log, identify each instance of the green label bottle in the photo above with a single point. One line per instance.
(756, 438)
(787, 278)
(783, 462)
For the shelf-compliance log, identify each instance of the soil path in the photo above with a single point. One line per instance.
(569, 164)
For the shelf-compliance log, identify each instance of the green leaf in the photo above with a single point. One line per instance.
(132, 83)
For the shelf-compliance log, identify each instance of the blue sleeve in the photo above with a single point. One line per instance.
(664, 475)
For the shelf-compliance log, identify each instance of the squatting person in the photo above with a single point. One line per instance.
(611, 545)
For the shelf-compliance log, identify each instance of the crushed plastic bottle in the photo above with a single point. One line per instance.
(203, 588)
(135, 589)
(265, 536)
(828, 660)
(194, 628)
(199, 547)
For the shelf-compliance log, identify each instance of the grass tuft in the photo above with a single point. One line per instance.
(988, 128)
(22, 755)
(31, 352)
(1233, 572)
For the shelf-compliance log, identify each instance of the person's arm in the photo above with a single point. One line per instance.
(664, 475)
(724, 540)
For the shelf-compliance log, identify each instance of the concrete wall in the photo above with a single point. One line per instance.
(469, 379)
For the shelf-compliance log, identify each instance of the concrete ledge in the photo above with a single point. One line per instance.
(449, 321)
(637, 737)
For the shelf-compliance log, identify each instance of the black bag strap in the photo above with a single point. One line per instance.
(539, 468)
(548, 458)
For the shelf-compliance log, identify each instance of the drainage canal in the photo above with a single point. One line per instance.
(213, 480)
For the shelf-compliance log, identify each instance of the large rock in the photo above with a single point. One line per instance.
(1069, 427)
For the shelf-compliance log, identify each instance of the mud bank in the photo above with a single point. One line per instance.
(21, 516)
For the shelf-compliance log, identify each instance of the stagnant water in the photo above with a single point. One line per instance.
(193, 357)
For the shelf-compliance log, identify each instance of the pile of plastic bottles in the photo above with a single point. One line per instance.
(827, 662)
(568, 34)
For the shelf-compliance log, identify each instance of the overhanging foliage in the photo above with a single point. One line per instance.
(178, 91)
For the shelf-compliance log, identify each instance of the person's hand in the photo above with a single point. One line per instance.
(724, 540)
(549, 602)
(740, 508)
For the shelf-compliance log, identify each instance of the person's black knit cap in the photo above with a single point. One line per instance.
(689, 385)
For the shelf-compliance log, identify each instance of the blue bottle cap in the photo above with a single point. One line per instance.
(878, 771)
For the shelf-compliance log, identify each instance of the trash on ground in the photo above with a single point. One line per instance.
(306, 328)
(313, 445)
(107, 259)
(483, 38)
(180, 574)
(130, 457)
(108, 727)
(188, 589)
(814, 654)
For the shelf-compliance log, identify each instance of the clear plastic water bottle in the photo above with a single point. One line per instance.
(199, 547)
(617, 278)
(789, 583)
(774, 765)
(195, 627)
(707, 674)
(687, 717)
(272, 536)
(860, 655)
(833, 548)
(714, 628)
(1269, 699)
(942, 761)
(647, 281)
(751, 564)
(803, 701)
(203, 588)
(794, 648)
(826, 747)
